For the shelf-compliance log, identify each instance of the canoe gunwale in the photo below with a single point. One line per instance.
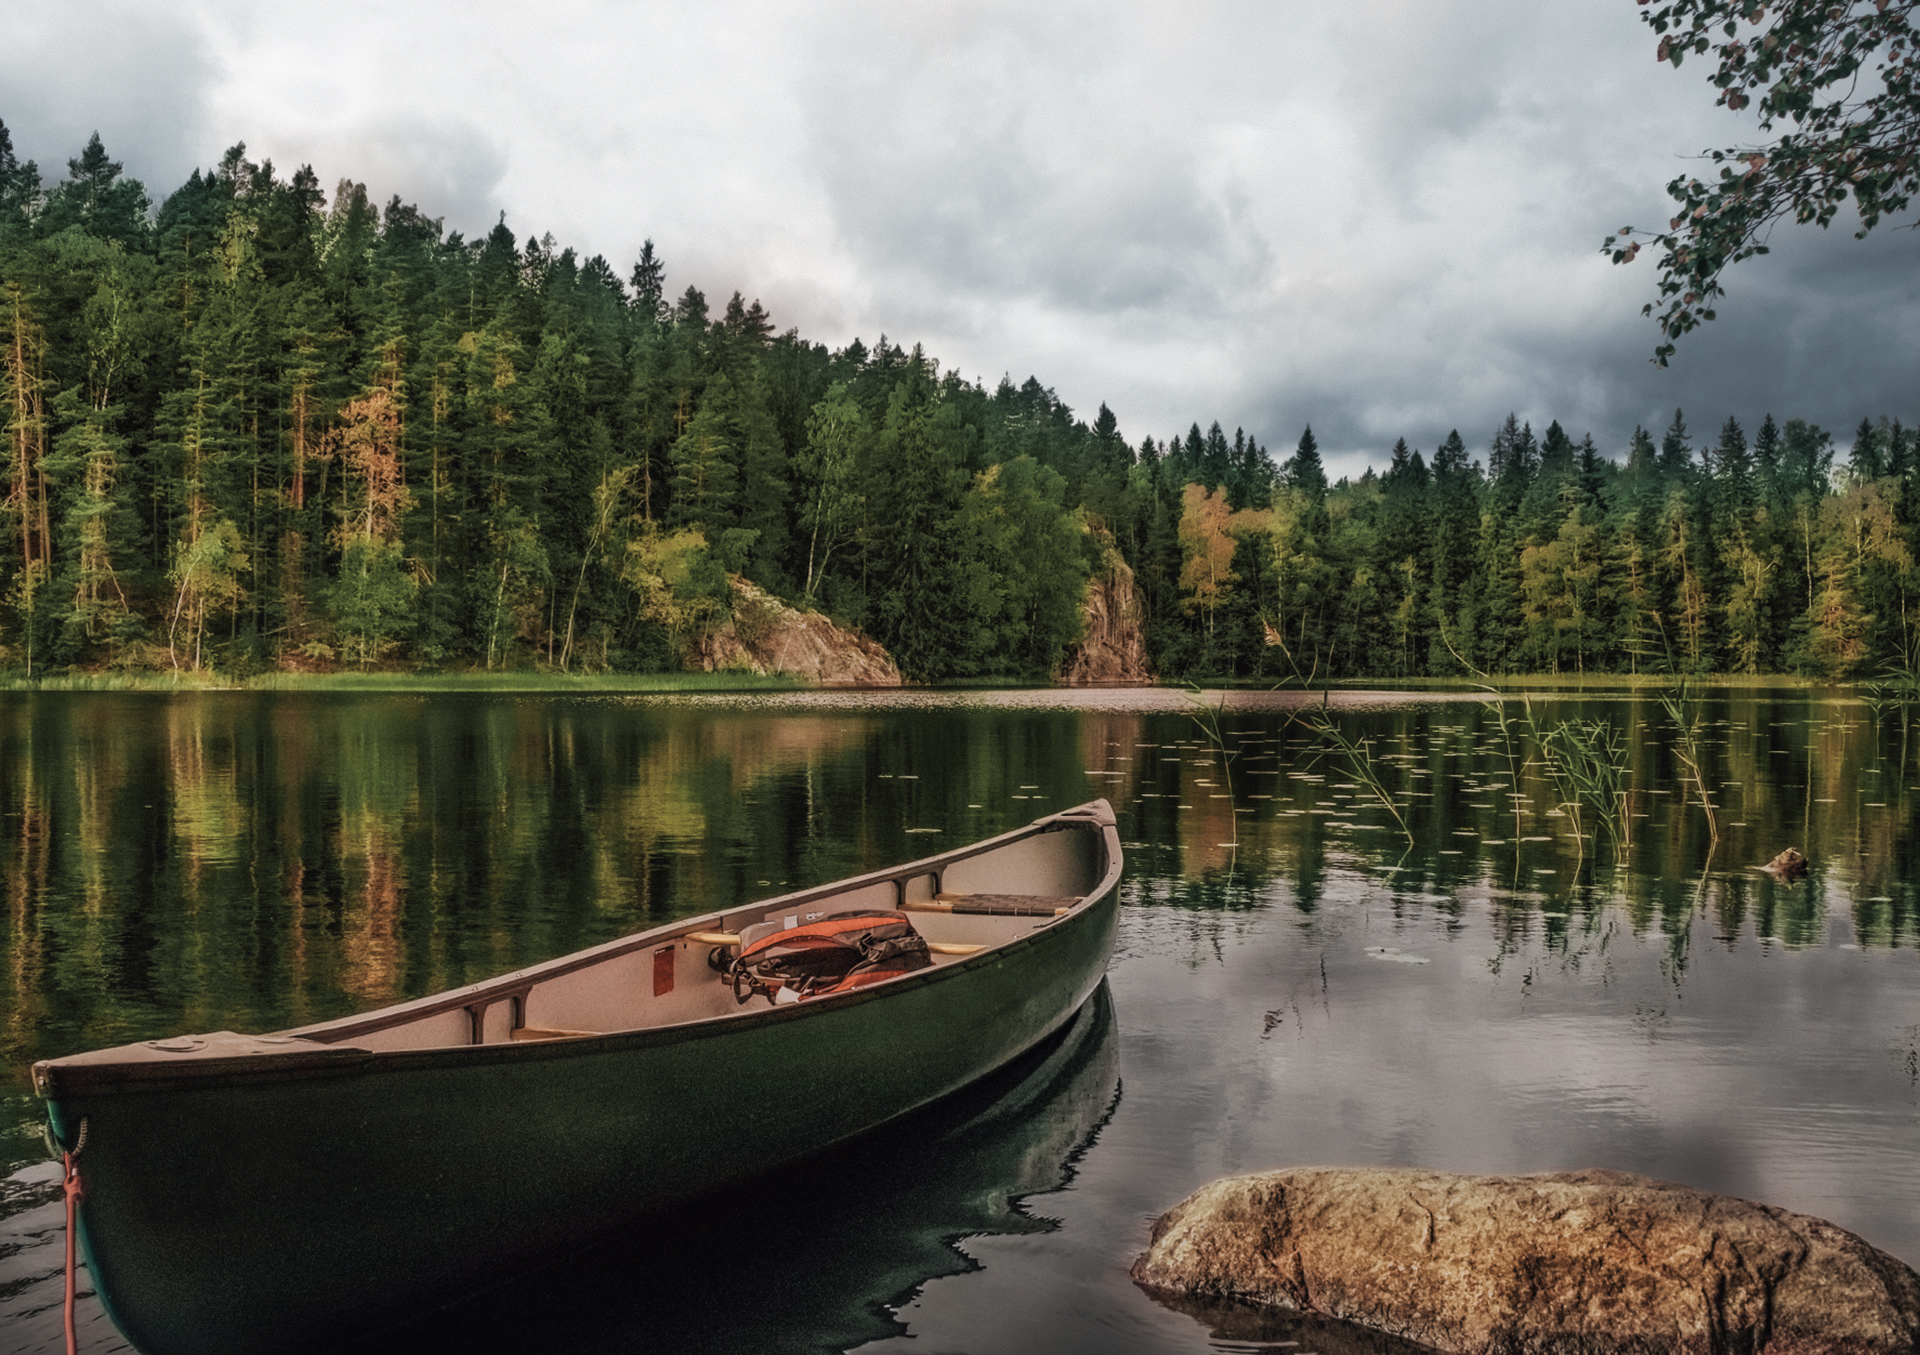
(338, 1057)
(351, 1061)
(517, 981)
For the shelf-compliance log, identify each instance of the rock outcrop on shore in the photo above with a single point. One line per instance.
(767, 636)
(1113, 648)
(1578, 1263)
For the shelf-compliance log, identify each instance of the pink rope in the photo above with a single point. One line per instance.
(71, 1182)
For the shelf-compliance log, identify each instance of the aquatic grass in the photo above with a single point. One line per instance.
(1684, 707)
(1679, 696)
(1356, 754)
(1679, 931)
(1586, 759)
(1589, 763)
(1896, 689)
(1516, 761)
(1206, 718)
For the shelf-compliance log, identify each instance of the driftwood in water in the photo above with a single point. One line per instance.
(1789, 865)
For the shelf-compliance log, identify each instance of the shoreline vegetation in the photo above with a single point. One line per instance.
(564, 684)
(256, 431)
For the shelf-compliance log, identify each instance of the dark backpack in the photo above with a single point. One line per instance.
(797, 957)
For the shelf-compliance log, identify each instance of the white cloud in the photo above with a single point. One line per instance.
(1381, 217)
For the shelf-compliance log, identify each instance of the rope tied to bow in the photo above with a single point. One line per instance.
(75, 1192)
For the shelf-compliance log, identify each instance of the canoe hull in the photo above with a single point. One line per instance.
(292, 1214)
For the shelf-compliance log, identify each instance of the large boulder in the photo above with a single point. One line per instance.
(1113, 647)
(1578, 1263)
(767, 636)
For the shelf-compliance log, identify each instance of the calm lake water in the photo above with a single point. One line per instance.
(1293, 983)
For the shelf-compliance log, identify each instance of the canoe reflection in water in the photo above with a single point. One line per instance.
(815, 1258)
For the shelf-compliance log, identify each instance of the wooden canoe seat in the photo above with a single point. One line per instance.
(1003, 905)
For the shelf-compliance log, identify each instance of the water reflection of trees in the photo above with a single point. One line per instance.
(256, 859)
(253, 861)
(1783, 767)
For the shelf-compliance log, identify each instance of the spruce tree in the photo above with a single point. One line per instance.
(1676, 451)
(19, 188)
(1216, 459)
(1305, 473)
(1766, 460)
(1868, 458)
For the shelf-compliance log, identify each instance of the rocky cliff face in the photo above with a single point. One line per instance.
(1115, 646)
(1568, 1264)
(767, 636)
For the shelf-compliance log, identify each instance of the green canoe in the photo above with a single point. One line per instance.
(290, 1191)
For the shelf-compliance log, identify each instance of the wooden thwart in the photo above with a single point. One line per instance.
(991, 905)
(1002, 905)
(544, 1033)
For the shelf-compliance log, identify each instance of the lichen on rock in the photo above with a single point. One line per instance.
(1570, 1264)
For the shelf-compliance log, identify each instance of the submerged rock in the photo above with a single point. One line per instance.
(1114, 619)
(1578, 1263)
(767, 636)
(1235, 1324)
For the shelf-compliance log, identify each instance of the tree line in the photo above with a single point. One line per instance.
(259, 427)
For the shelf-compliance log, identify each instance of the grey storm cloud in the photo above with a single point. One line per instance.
(137, 74)
(1381, 217)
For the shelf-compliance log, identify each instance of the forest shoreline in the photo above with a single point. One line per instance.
(401, 681)
(536, 682)
(252, 433)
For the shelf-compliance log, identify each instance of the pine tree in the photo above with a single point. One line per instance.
(97, 199)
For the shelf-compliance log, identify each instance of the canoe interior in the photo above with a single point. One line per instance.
(965, 903)
(663, 977)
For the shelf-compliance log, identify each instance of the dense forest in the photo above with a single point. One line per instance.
(260, 428)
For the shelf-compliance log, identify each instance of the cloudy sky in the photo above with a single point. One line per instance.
(1380, 217)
